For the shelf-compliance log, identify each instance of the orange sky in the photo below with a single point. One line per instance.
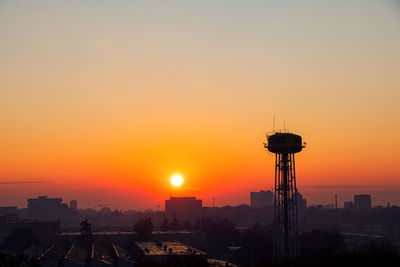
(102, 102)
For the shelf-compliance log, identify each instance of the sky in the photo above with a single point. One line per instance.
(102, 101)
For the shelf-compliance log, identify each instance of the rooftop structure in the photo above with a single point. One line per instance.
(76, 256)
(159, 251)
(53, 256)
(102, 255)
(123, 256)
(97, 255)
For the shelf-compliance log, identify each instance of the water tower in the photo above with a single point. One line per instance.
(286, 226)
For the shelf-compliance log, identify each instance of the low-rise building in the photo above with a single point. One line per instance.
(261, 199)
(362, 202)
(184, 208)
(348, 205)
(160, 251)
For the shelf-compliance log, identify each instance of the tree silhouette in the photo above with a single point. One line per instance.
(86, 227)
(86, 238)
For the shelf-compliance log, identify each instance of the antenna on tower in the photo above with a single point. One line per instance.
(273, 123)
(284, 126)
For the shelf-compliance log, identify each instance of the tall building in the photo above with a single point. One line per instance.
(301, 203)
(362, 202)
(261, 199)
(184, 208)
(46, 208)
(73, 204)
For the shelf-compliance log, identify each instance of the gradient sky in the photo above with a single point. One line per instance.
(101, 101)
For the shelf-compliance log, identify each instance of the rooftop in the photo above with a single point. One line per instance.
(154, 248)
(129, 233)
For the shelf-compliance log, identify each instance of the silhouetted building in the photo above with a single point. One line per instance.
(362, 202)
(301, 203)
(184, 208)
(348, 205)
(73, 204)
(46, 208)
(261, 199)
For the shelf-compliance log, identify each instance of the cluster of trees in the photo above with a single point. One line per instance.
(172, 223)
(85, 240)
(106, 217)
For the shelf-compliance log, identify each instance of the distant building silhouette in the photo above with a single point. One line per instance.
(301, 203)
(348, 205)
(362, 202)
(46, 208)
(184, 208)
(73, 204)
(261, 199)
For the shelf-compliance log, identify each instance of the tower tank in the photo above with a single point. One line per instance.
(284, 143)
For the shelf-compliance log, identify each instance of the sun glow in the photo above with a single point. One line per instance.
(176, 180)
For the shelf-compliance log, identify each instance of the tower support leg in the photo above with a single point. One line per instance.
(285, 208)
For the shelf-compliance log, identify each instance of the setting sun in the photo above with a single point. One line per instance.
(176, 180)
